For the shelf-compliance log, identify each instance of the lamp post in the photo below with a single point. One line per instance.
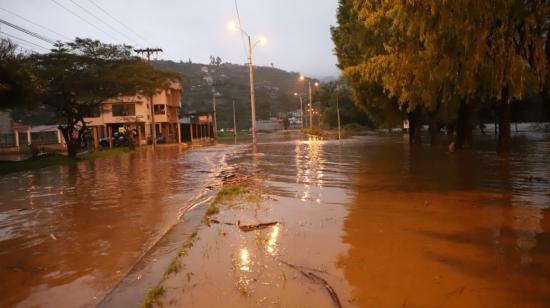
(214, 95)
(302, 78)
(233, 27)
(301, 109)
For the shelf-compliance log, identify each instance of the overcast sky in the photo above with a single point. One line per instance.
(297, 31)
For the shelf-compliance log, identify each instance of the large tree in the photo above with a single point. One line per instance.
(354, 45)
(75, 78)
(426, 54)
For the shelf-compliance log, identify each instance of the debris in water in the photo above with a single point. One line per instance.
(248, 228)
(215, 221)
(53, 237)
(227, 177)
(318, 280)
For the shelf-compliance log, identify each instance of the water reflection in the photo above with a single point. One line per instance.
(78, 228)
(310, 165)
(272, 243)
(244, 260)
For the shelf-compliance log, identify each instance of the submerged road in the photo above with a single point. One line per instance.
(386, 225)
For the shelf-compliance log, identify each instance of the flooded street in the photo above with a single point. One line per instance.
(380, 223)
(69, 233)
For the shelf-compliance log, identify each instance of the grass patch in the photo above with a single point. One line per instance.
(34, 163)
(229, 192)
(153, 296)
(174, 267)
(231, 135)
(212, 210)
(189, 243)
(57, 159)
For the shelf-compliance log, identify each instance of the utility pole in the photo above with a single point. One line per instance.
(148, 52)
(215, 115)
(252, 98)
(301, 111)
(234, 123)
(310, 107)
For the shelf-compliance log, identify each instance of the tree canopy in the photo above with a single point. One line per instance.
(424, 54)
(16, 82)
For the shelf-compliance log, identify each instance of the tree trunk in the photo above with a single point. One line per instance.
(131, 141)
(414, 127)
(434, 131)
(464, 126)
(504, 127)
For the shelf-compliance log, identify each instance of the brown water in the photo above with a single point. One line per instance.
(68, 234)
(384, 224)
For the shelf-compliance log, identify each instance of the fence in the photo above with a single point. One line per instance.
(7, 140)
(44, 138)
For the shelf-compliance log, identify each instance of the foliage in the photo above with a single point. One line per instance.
(338, 91)
(16, 82)
(438, 54)
(153, 296)
(75, 78)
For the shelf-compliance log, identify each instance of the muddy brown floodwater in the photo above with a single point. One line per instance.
(383, 224)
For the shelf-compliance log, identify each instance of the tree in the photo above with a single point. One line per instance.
(16, 82)
(75, 78)
(354, 45)
(429, 54)
(334, 91)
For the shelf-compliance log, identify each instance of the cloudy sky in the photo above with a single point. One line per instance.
(297, 31)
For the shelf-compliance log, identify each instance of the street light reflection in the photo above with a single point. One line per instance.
(245, 260)
(272, 243)
(309, 167)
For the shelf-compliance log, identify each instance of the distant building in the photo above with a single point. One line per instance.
(134, 112)
(197, 127)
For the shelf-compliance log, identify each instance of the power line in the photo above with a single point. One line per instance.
(33, 34)
(25, 41)
(32, 22)
(103, 22)
(84, 20)
(240, 27)
(120, 23)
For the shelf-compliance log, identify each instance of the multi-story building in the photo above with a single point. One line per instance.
(134, 113)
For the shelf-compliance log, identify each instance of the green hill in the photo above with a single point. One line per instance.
(274, 90)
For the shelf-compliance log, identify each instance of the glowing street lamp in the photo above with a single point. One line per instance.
(302, 78)
(233, 26)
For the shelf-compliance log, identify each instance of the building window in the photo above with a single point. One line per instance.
(122, 110)
(160, 109)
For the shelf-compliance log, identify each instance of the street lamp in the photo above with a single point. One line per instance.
(234, 27)
(301, 108)
(302, 78)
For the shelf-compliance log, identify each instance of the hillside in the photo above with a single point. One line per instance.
(274, 90)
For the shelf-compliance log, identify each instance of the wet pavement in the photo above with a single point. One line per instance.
(383, 224)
